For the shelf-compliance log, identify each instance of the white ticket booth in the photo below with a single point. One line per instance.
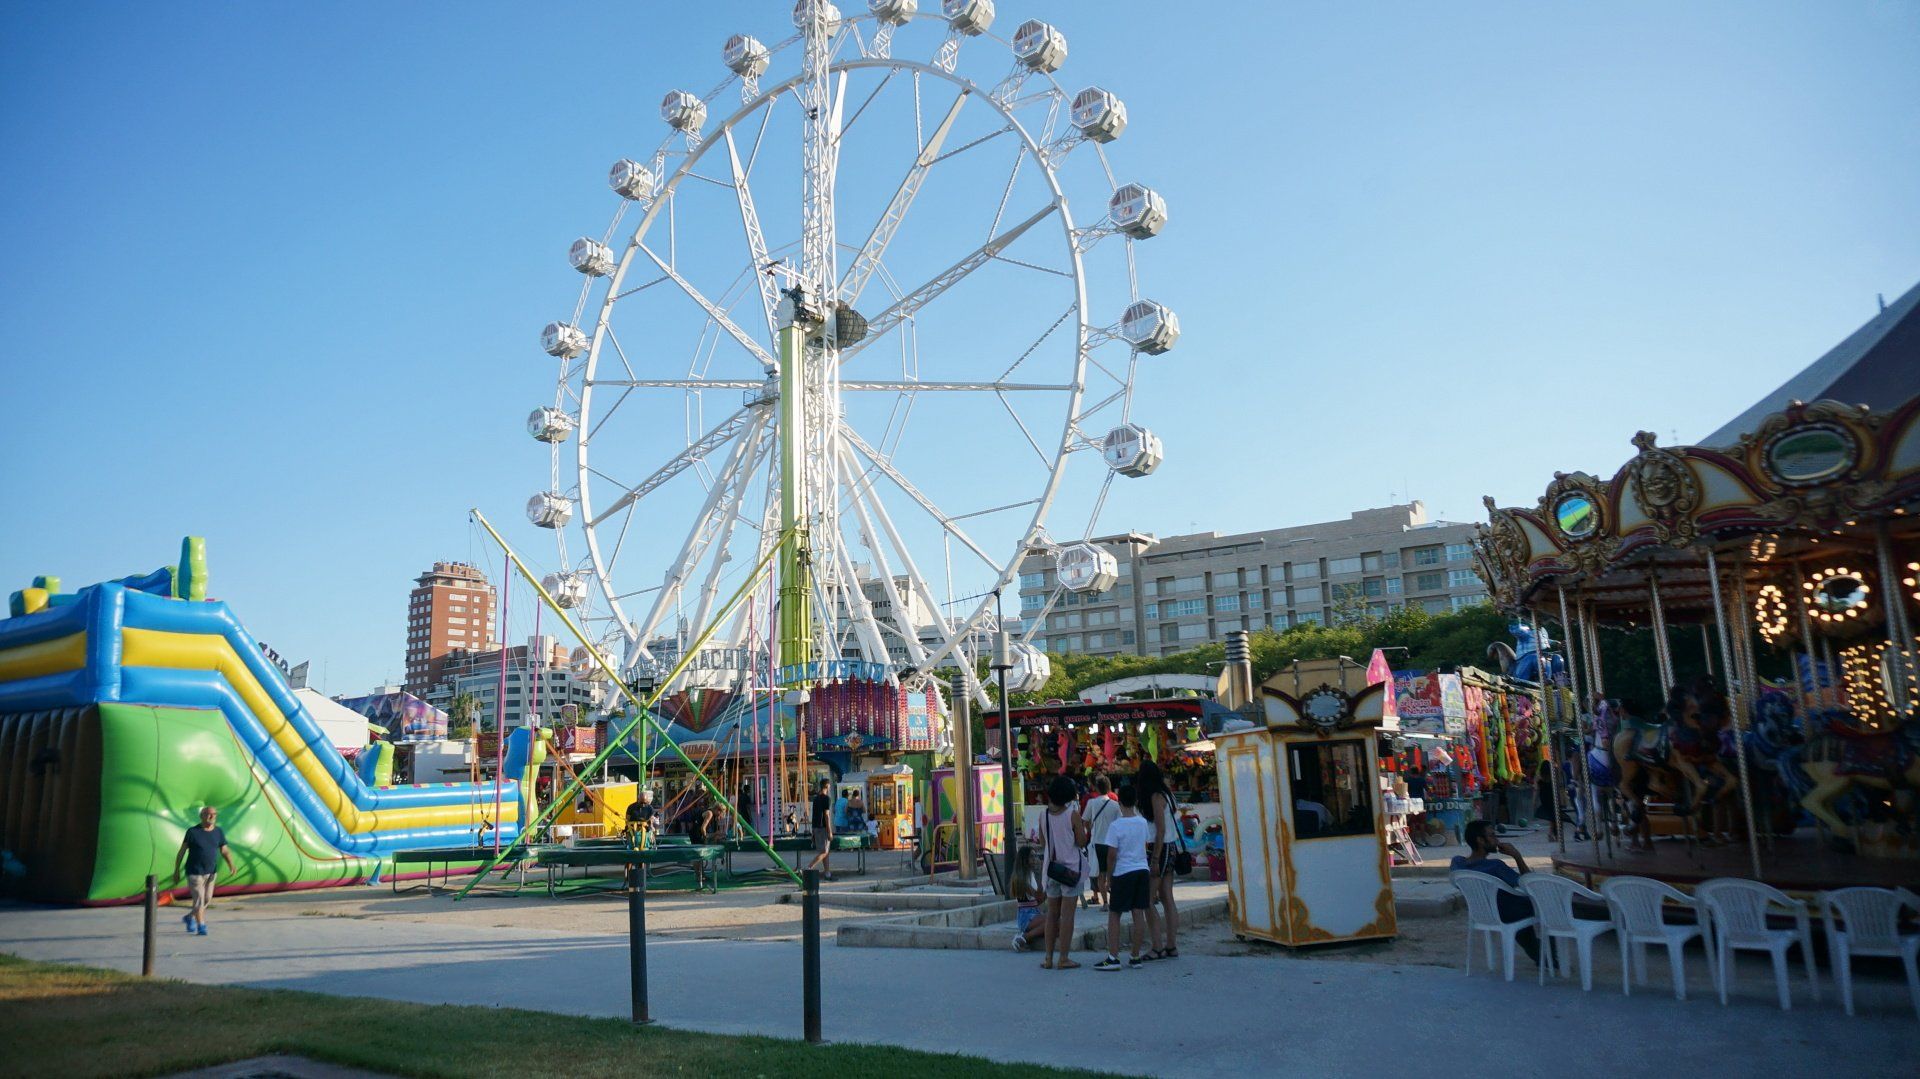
(1305, 822)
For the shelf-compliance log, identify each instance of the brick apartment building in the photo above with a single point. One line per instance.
(450, 610)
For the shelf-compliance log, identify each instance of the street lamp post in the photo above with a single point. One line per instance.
(1002, 662)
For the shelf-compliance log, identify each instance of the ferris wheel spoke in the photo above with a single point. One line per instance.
(730, 513)
(713, 310)
(870, 509)
(909, 632)
(905, 307)
(868, 260)
(1022, 424)
(756, 240)
(699, 537)
(701, 448)
(906, 486)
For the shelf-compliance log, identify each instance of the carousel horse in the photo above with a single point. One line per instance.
(1699, 715)
(1773, 747)
(1839, 756)
(1527, 663)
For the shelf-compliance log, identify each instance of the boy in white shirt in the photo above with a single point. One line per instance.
(1128, 893)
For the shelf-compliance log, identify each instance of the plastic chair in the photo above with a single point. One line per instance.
(1737, 918)
(1638, 921)
(1872, 917)
(1482, 893)
(1553, 897)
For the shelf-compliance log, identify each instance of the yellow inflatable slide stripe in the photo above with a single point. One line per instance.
(54, 656)
(209, 652)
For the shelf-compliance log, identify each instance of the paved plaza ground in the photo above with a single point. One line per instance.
(731, 964)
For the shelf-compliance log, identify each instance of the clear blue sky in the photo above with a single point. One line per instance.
(272, 273)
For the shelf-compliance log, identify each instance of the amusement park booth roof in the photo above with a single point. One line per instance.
(1181, 710)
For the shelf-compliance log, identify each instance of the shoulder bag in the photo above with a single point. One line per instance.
(1057, 871)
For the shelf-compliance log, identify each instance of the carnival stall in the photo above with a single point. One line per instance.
(1307, 859)
(1793, 543)
(1081, 740)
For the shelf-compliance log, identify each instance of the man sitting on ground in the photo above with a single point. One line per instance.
(1482, 846)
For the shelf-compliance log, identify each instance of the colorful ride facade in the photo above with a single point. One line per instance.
(128, 705)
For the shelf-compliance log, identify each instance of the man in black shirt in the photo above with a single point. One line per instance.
(204, 847)
(823, 829)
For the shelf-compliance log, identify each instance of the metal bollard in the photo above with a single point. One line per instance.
(637, 940)
(810, 954)
(152, 914)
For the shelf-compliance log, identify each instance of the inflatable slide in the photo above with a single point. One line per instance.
(128, 705)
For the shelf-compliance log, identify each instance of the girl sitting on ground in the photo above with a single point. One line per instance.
(1027, 892)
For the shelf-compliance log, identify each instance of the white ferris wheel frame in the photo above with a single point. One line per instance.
(743, 439)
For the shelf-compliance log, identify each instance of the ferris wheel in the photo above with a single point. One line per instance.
(878, 302)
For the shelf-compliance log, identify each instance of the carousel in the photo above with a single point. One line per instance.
(1791, 755)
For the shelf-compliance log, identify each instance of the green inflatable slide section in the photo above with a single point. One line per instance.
(158, 767)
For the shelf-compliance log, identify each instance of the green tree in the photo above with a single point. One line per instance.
(462, 710)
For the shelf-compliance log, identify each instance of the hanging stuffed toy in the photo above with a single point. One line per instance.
(1107, 744)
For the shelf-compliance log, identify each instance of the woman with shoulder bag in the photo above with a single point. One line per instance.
(1062, 834)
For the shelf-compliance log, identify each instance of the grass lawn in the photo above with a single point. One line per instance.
(77, 1021)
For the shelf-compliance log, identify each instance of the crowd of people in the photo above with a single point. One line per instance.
(1106, 849)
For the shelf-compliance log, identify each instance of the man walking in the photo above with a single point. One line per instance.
(823, 830)
(203, 849)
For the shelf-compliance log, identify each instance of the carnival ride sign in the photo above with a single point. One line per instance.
(1113, 712)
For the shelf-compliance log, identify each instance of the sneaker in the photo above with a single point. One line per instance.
(1020, 943)
(1109, 963)
(188, 920)
(203, 929)
(1134, 963)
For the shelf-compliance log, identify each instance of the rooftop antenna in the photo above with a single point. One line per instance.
(1882, 297)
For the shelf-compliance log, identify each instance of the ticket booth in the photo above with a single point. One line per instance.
(1305, 822)
(890, 805)
(888, 794)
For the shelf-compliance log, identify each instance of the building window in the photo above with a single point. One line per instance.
(1468, 601)
(1226, 603)
(1151, 610)
(1426, 556)
(1030, 582)
(1278, 620)
(1428, 582)
(1462, 578)
(1375, 586)
(1307, 597)
(1226, 579)
(1393, 586)
(1254, 601)
(1370, 563)
(1459, 552)
(1434, 606)
(1032, 601)
(1344, 591)
(1182, 608)
(1126, 636)
(1196, 583)
(1390, 560)
(1302, 618)
(1305, 571)
(1193, 631)
(1343, 565)
(456, 621)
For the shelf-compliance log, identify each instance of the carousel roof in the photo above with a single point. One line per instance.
(1785, 484)
(1878, 366)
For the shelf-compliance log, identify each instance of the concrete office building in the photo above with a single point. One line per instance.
(538, 679)
(450, 610)
(1182, 591)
